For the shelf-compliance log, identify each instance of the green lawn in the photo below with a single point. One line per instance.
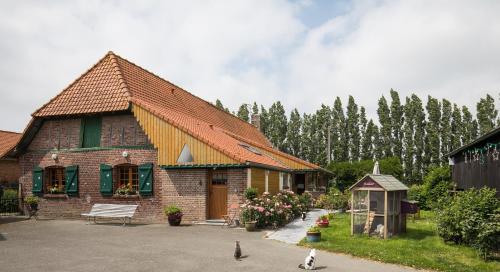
(420, 247)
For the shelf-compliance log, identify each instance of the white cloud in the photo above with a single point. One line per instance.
(241, 51)
(428, 47)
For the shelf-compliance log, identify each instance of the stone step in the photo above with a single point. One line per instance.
(214, 222)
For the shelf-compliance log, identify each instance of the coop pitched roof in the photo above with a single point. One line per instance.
(8, 141)
(387, 182)
(115, 84)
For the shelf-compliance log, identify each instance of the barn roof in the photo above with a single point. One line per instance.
(8, 141)
(478, 140)
(115, 84)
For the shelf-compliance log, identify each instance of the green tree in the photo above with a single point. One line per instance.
(445, 130)
(486, 114)
(244, 113)
(467, 126)
(219, 105)
(432, 143)
(340, 150)
(368, 141)
(293, 134)
(408, 142)
(397, 124)
(353, 129)
(255, 108)
(418, 136)
(384, 116)
(323, 123)
(264, 121)
(456, 128)
(277, 125)
(378, 151)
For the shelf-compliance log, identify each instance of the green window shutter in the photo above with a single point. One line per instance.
(90, 132)
(37, 180)
(106, 184)
(71, 177)
(146, 179)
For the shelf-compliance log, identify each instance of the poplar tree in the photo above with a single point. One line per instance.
(293, 134)
(432, 143)
(445, 130)
(367, 143)
(378, 151)
(486, 114)
(456, 128)
(467, 126)
(341, 151)
(353, 129)
(255, 108)
(384, 116)
(219, 105)
(264, 121)
(244, 113)
(397, 124)
(408, 142)
(322, 122)
(277, 125)
(418, 136)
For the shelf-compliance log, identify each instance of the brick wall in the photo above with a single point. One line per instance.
(9, 170)
(116, 130)
(149, 210)
(122, 130)
(186, 188)
(236, 185)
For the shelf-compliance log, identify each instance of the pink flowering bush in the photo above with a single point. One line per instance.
(272, 210)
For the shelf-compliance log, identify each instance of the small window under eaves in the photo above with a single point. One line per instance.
(185, 156)
(251, 148)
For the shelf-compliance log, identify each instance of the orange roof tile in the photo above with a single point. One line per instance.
(113, 83)
(8, 141)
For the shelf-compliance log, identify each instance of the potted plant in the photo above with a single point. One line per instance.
(313, 234)
(323, 221)
(55, 189)
(32, 201)
(125, 189)
(248, 216)
(174, 215)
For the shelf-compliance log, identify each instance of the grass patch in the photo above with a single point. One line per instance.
(420, 247)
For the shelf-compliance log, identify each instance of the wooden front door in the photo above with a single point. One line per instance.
(217, 199)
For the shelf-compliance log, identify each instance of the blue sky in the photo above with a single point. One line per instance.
(303, 53)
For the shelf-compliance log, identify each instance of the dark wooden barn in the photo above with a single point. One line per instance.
(477, 164)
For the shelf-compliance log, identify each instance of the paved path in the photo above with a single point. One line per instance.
(70, 245)
(296, 230)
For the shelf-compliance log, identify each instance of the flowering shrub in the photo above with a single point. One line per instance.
(272, 210)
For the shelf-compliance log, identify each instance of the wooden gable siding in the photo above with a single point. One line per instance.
(273, 182)
(169, 141)
(259, 179)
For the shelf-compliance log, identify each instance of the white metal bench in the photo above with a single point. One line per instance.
(111, 211)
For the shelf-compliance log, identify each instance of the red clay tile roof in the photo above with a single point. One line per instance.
(212, 135)
(114, 83)
(7, 141)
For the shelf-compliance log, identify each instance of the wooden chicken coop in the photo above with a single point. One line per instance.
(376, 205)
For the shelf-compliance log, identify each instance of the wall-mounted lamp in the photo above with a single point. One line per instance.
(125, 154)
(54, 156)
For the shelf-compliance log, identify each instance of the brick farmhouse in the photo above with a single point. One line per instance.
(120, 134)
